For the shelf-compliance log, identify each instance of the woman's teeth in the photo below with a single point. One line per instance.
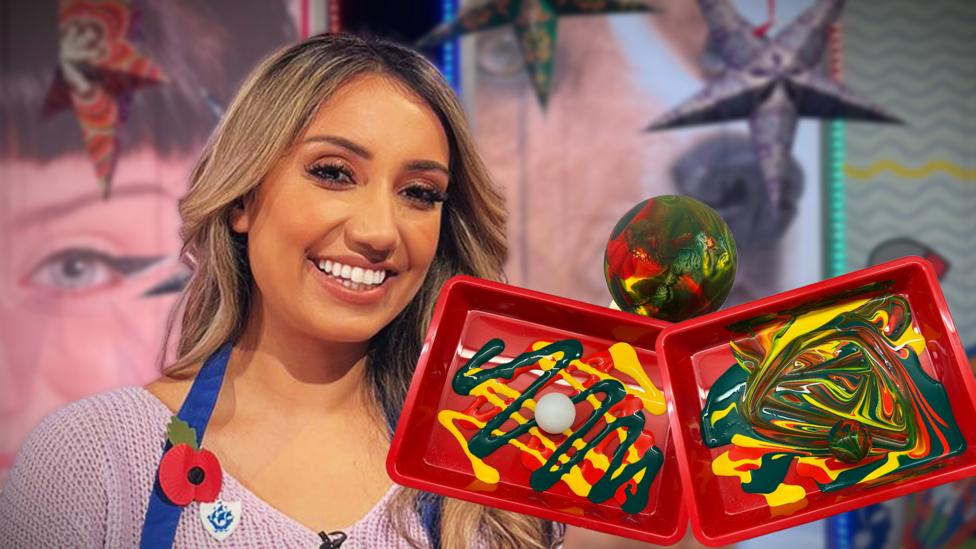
(354, 278)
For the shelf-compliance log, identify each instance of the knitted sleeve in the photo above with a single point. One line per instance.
(55, 495)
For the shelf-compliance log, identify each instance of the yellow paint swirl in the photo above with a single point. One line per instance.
(499, 394)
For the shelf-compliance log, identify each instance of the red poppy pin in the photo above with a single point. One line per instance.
(187, 472)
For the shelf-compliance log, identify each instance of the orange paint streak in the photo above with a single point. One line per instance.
(887, 403)
(691, 284)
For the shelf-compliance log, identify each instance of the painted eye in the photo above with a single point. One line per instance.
(73, 270)
(76, 270)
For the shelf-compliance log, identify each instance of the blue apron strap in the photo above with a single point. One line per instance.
(162, 517)
(430, 517)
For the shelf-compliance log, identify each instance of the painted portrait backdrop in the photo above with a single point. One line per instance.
(89, 268)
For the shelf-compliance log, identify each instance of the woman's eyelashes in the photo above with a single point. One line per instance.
(424, 195)
(335, 174)
(332, 173)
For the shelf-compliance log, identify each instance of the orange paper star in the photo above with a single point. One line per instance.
(99, 68)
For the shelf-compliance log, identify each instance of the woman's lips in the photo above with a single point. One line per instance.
(348, 290)
(357, 272)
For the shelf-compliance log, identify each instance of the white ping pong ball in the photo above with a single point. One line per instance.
(554, 413)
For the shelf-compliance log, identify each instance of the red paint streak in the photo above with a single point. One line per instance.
(601, 361)
(923, 407)
(628, 406)
(528, 460)
(690, 283)
(887, 403)
(811, 471)
(739, 453)
(590, 472)
(841, 380)
(629, 487)
(647, 268)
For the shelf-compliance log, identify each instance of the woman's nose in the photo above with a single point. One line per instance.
(372, 229)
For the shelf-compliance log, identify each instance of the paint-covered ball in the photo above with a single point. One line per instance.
(670, 257)
(849, 441)
(554, 413)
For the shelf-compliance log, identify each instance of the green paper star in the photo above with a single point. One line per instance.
(535, 24)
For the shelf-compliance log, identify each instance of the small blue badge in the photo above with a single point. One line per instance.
(220, 518)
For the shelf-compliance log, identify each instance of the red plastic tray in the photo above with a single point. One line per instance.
(469, 313)
(694, 353)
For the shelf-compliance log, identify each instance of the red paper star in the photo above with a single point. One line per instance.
(98, 70)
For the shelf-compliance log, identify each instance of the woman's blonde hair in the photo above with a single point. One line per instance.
(270, 112)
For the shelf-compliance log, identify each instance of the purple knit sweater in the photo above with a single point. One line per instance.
(84, 476)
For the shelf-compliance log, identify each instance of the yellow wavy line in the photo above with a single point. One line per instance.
(909, 172)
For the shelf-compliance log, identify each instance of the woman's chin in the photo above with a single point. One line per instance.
(343, 326)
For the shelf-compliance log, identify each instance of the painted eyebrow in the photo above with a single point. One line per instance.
(60, 209)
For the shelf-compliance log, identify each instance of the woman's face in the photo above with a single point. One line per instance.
(343, 229)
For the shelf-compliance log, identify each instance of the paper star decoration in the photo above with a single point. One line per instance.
(535, 23)
(771, 82)
(98, 70)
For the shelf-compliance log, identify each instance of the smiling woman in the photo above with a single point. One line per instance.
(336, 197)
(352, 197)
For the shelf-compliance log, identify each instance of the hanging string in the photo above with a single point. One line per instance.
(335, 16)
(761, 30)
(835, 43)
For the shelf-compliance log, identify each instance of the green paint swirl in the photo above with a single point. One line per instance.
(851, 389)
(484, 442)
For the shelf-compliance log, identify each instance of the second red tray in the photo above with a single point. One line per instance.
(817, 401)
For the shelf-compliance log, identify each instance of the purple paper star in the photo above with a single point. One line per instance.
(772, 83)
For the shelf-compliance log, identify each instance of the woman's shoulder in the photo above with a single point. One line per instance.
(85, 461)
(110, 429)
(125, 413)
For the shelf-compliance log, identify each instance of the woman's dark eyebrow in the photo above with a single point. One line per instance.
(426, 165)
(359, 150)
(353, 147)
